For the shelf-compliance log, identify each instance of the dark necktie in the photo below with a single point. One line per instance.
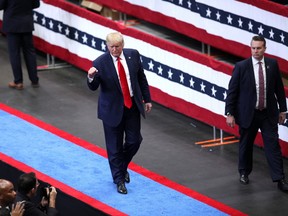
(261, 87)
(124, 84)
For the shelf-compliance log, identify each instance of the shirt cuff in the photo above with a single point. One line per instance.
(90, 79)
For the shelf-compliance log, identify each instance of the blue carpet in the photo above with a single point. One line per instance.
(89, 173)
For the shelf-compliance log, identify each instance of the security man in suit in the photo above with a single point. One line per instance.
(18, 26)
(120, 111)
(256, 100)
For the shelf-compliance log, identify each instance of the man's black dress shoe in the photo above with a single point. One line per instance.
(283, 185)
(244, 179)
(127, 177)
(35, 85)
(121, 188)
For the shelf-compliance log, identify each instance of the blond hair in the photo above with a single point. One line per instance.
(114, 37)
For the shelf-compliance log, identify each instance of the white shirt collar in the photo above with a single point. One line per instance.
(115, 58)
(255, 61)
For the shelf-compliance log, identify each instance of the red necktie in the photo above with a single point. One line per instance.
(261, 87)
(124, 84)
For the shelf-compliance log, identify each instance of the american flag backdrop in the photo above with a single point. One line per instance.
(183, 80)
(228, 25)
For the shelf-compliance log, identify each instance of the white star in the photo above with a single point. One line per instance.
(76, 35)
(51, 24)
(208, 13)
(250, 26)
(202, 87)
(229, 19)
(213, 91)
(282, 37)
(260, 30)
(84, 38)
(218, 15)
(192, 82)
(43, 21)
(180, 2)
(67, 31)
(240, 22)
(189, 4)
(93, 43)
(271, 33)
(103, 46)
(170, 74)
(224, 95)
(60, 27)
(151, 65)
(181, 78)
(35, 17)
(160, 70)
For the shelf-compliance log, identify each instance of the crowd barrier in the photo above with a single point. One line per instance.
(227, 25)
(183, 80)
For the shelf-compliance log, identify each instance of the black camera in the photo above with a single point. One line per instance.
(45, 192)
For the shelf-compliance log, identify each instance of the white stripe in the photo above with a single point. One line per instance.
(223, 30)
(176, 61)
(189, 95)
(251, 12)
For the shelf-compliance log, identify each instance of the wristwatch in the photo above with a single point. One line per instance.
(229, 114)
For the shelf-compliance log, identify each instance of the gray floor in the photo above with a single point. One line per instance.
(169, 149)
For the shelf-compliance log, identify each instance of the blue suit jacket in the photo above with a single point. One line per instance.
(241, 97)
(110, 102)
(18, 15)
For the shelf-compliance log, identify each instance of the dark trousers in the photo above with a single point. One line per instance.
(24, 42)
(272, 149)
(123, 142)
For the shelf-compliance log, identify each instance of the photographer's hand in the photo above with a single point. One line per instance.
(17, 209)
(52, 197)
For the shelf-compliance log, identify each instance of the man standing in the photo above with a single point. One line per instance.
(256, 100)
(18, 26)
(7, 198)
(124, 87)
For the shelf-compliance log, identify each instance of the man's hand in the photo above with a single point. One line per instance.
(148, 107)
(282, 117)
(52, 197)
(91, 72)
(17, 209)
(230, 120)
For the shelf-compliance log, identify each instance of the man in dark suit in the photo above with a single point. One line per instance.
(256, 100)
(120, 114)
(18, 26)
(27, 189)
